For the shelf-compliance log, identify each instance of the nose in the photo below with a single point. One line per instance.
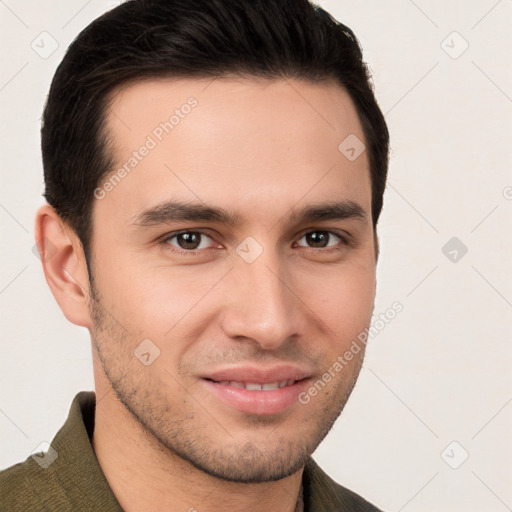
(262, 305)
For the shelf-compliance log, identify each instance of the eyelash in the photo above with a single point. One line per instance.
(195, 252)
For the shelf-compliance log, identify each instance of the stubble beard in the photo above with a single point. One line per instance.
(173, 433)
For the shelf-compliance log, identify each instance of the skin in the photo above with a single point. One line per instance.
(260, 149)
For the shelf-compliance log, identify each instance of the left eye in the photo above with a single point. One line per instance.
(320, 238)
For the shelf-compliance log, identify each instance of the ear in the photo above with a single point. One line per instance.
(64, 265)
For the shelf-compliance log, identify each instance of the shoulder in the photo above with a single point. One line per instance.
(323, 494)
(65, 477)
(17, 493)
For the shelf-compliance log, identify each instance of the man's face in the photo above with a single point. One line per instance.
(271, 298)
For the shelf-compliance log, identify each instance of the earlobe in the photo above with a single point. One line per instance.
(64, 265)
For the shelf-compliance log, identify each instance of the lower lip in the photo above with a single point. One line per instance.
(258, 402)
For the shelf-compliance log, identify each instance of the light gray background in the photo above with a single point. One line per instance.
(440, 371)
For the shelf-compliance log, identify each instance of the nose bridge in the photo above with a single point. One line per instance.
(263, 308)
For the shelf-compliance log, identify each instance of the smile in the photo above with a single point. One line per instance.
(252, 386)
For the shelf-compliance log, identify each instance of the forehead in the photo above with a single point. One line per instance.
(238, 143)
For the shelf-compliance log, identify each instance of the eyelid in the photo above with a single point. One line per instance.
(342, 235)
(178, 250)
(346, 240)
(320, 231)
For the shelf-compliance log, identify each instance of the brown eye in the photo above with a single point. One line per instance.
(188, 240)
(321, 239)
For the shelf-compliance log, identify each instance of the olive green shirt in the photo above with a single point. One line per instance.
(68, 478)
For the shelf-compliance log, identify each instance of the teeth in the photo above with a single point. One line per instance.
(252, 386)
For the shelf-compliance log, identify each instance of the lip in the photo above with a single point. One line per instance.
(257, 374)
(259, 402)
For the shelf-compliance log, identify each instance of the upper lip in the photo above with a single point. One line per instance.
(258, 374)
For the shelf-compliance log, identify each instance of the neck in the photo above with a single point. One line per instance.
(144, 475)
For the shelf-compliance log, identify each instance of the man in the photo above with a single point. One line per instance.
(214, 172)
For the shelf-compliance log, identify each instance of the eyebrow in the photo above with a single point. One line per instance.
(176, 211)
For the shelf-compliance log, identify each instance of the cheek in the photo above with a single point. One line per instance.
(150, 300)
(345, 301)
(158, 301)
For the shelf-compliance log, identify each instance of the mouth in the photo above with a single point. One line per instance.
(259, 391)
(253, 386)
